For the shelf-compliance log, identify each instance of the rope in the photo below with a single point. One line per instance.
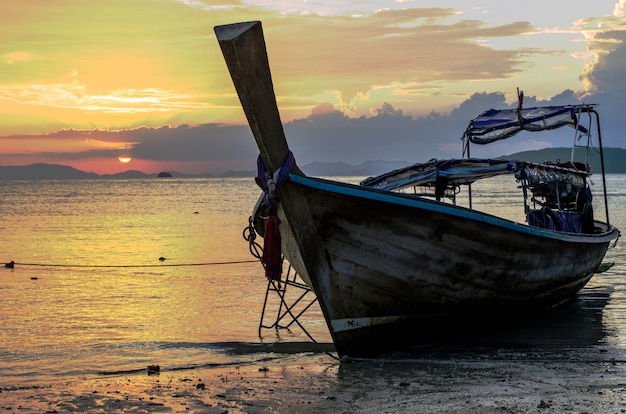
(269, 183)
(272, 257)
(134, 266)
(249, 235)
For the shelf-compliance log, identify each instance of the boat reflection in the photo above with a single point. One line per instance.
(577, 324)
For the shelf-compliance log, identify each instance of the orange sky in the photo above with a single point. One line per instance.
(117, 65)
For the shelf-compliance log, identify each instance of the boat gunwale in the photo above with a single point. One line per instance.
(412, 201)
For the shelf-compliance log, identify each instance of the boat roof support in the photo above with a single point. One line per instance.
(606, 201)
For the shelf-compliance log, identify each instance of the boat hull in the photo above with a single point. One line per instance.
(382, 264)
(388, 268)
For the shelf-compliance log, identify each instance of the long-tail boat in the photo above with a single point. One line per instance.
(388, 264)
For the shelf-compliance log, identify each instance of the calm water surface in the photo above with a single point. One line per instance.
(89, 295)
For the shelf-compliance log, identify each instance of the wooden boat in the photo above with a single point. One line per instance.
(388, 267)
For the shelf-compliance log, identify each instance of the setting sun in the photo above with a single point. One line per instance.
(124, 159)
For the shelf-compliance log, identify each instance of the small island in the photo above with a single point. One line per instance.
(164, 174)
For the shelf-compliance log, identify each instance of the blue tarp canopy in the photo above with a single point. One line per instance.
(453, 172)
(459, 171)
(497, 124)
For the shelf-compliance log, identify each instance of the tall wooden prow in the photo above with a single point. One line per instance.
(243, 47)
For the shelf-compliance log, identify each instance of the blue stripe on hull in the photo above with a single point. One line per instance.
(438, 207)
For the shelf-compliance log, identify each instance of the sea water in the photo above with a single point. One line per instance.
(115, 275)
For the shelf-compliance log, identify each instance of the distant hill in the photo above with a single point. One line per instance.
(614, 161)
(59, 172)
(64, 172)
(43, 171)
(614, 158)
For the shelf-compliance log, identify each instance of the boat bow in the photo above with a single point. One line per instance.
(243, 47)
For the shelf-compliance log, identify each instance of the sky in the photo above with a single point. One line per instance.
(90, 83)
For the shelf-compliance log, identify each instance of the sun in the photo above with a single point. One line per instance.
(124, 159)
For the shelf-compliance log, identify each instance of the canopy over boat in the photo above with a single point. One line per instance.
(456, 172)
(493, 125)
(496, 124)
(453, 172)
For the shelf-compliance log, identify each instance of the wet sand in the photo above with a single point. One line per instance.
(568, 360)
(317, 383)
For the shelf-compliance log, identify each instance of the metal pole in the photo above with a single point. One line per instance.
(606, 203)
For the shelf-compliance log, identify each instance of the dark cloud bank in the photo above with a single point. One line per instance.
(390, 135)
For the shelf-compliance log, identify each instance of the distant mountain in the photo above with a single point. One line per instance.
(127, 174)
(59, 172)
(43, 171)
(614, 161)
(614, 158)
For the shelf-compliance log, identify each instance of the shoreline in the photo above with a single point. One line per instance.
(305, 383)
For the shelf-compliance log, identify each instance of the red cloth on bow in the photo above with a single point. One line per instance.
(272, 257)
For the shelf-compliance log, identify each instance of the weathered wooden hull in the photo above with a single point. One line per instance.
(383, 265)
(387, 267)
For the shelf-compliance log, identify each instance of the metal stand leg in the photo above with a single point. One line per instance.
(292, 299)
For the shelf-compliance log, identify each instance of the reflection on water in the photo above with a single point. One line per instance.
(66, 311)
(578, 323)
(89, 294)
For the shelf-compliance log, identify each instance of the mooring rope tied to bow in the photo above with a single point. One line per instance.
(272, 256)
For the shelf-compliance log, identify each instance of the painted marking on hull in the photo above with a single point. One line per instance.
(347, 324)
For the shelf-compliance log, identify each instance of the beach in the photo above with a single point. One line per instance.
(320, 384)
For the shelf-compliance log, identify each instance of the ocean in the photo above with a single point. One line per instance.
(112, 276)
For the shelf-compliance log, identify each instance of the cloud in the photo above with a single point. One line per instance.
(326, 135)
(607, 71)
(605, 37)
(390, 135)
(603, 77)
(75, 95)
(201, 143)
(161, 59)
(386, 50)
(389, 48)
(14, 57)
